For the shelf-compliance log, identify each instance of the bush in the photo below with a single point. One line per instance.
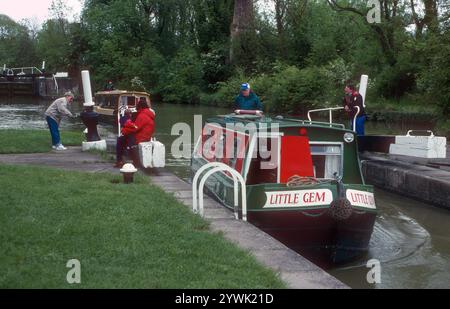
(434, 79)
(182, 82)
(396, 81)
(226, 91)
(294, 90)
(287, 90)
(215, 65)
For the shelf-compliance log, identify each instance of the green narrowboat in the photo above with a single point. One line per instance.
(309, 193)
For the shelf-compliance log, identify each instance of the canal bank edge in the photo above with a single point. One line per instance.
(296, 271)
(420, 182)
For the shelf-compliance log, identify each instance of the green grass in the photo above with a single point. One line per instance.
(34, 141)
(125, 236)
(410, 109)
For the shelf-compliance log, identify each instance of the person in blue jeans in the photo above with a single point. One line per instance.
(247, 99)
(352, 100)
(54, 114)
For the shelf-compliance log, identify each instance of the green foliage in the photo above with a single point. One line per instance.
(226, 91)
(408, 108)
(444, 127)
(293, 90)
(53, 44)
(182, 80)
(17, 47)
(215, 65)
(434, 78)
(287, 90)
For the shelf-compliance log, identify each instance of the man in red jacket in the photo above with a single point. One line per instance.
(134, 133)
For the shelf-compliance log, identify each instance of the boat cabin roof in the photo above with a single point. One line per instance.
(122, 92)
(305, 148)
(265, 122)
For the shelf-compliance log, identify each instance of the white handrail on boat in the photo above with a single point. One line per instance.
(198, 197)
(330, 110)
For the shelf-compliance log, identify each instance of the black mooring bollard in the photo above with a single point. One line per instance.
(90, 120)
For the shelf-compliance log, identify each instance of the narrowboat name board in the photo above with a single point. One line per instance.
(361, 199)
(303, 198)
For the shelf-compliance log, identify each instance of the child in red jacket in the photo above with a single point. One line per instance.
(134, 133)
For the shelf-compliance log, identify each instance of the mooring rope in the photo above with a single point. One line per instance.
(298, 181)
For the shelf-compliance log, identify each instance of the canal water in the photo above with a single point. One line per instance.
(411, 239)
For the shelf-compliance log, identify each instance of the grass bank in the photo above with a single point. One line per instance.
(34, 141)
(402, 110)
(124, 236)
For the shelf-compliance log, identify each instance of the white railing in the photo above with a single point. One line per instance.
(214, 167)
(32, 69)
(331, 110)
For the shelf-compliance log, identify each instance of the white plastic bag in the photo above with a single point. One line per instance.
(146, 154)
(152, 154)
(159, 154)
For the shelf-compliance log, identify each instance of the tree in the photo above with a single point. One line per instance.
(384, 31)
(242, 32)
(17, 48)
(430, 18)
(53, 44)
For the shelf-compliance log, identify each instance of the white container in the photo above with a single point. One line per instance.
(159, 155)
(152, 154)
(99, 145)
(429, 147)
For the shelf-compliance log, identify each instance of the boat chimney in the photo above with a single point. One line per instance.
(363, 87)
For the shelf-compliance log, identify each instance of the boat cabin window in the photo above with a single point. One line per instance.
(213, 147)
(264, 164)
(106, 101)
(129, 100)
(100, 100)
(147, 99)
(327, 160)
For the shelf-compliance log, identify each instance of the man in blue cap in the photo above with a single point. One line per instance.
(247, 99)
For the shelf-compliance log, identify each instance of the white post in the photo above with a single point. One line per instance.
(4, 67)
(363, 87)
(87, 88)
(43, 65)
(56, 84)
(88, 102)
